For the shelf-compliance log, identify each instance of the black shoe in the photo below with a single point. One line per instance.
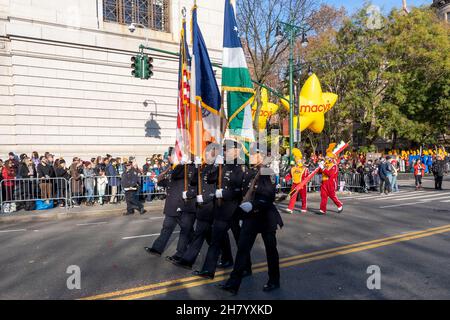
(340, 209)
(225, 264)
(182, 263)
(204, 274)
(270, 287)
(173, 258)
(152, 251)
(228, 288)
(142, 211)
(247, 273)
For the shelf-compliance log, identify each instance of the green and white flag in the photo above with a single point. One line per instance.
(236, 80)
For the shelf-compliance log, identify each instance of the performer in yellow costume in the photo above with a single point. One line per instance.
(298, 173)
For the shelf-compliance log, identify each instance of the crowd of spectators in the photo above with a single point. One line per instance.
(26, 178)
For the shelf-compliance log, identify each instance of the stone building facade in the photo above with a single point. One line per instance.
(65, 75)
(443, 8)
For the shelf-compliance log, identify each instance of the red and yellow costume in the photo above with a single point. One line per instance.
(329, 173)
(298, 174)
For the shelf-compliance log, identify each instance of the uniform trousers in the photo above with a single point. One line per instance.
(186, 222)
(249, 232)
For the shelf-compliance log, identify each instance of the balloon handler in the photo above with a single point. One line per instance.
(329, 170)
(298, 173)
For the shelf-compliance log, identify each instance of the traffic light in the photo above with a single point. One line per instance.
(149, 68)
(136, 66)
(142, 66)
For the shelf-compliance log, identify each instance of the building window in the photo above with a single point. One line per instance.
(154, 14)
(448, 17)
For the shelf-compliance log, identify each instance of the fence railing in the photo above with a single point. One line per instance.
(345, 182)
(16, 194)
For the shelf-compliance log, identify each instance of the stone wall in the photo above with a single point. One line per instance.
(66, 85)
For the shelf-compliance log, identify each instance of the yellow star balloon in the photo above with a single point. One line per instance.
(313, 105)
(267, 109)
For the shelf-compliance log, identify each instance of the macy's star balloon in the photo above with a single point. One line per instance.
(267, 109)
(313, 105)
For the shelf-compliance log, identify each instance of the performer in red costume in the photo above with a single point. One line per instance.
(298, 174)
(329, 171)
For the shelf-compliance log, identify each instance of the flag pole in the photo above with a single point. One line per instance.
(222, 133)
(186, 148)
(199, 147)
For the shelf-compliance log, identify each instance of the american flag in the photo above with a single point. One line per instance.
(182, 142)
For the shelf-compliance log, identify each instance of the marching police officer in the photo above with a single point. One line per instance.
(178, 209)
(205, 208)
(259, 216)
(130, 183)
(228, 199)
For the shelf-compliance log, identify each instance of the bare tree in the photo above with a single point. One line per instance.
(258, 20)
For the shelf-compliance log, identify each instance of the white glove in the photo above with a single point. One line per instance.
(219, 193)
(184, 160)
(246, 206)
(199, 198)
(219, 160)
(184, 195)
(148, 174)
(321, 165)
(198, 161)
(155, 180)
(82, 175)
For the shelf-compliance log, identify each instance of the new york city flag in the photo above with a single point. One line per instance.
(204, 92)
(236, 80)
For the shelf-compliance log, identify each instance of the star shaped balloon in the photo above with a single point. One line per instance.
(313, 105)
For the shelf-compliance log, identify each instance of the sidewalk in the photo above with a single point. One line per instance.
(76, 213)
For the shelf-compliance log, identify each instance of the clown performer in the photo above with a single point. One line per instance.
(329, 170)
(298, 173)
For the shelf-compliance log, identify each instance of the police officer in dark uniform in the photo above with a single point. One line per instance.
(178, 209)
(259, 216)
(130, 183)
(205, 208)
(228, 199)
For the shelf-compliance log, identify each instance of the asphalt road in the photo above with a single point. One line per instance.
(407, 235)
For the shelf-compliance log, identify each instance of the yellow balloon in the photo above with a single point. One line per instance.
(313, 105)
(267, 109)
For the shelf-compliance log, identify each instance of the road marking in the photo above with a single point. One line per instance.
(184, 283)
(372, 196)
(420, 197)
(16, 230)
(412, 203)
(445, 201)
(91, 223)
(145, 236)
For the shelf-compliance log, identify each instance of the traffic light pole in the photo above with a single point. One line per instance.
(292, 31)
(217, 65)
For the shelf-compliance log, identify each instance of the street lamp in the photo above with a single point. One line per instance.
(291, 31)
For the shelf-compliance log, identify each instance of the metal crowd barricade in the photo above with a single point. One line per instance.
(351, 181)
(18, 193)
(94, 189)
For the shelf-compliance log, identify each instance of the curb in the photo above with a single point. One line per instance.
(61, 214)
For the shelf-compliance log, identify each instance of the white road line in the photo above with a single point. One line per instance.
(411, 203)
(420, 197)
(91, 223)
(445, 201)
(16, 230)
(373, 196)
(144, 236)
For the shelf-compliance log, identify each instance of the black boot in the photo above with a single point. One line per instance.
(204, 274)
(270, 287)
(152, 251)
